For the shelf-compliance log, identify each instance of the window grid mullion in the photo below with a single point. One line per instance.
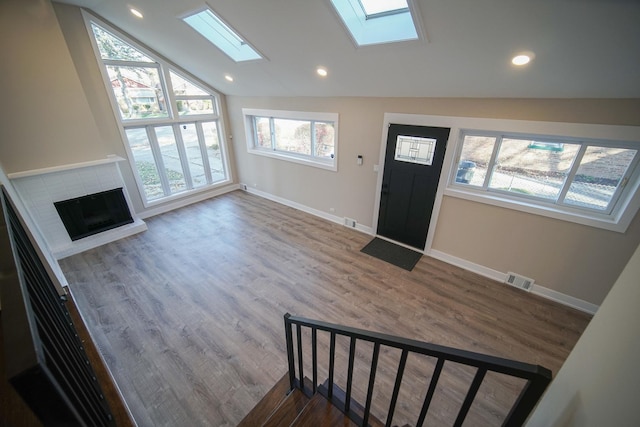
(492, 162)
(182, 154)
(168, 84)
(272, 131)
(157, 157)
(312, 134)
(572, 174)
(203, 152)
(125, 63)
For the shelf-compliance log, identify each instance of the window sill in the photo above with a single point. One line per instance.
(607, 222)
(331, 165)
(184, 194)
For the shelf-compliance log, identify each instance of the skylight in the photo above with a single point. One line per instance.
(377, 21)
(214, 29)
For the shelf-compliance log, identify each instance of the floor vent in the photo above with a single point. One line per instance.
(518, 281)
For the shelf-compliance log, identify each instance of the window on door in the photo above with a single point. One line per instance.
(171, 121)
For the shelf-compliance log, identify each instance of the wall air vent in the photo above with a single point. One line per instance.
(519, 281)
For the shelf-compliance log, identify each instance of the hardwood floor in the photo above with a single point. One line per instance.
(189, 314)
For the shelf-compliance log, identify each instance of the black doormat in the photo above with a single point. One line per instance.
(392, 253)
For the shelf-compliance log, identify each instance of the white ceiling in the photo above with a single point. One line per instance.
(583, 48)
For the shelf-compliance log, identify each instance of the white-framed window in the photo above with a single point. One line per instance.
(577, 179)
(300, 137)
(170, 121)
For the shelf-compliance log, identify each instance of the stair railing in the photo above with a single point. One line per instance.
(537, 377)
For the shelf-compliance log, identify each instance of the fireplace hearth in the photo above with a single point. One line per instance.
(92, 214)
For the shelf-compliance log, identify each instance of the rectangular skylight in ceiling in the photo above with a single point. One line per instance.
(377, 21)
(215, 30)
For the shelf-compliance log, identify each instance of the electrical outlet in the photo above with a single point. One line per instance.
(349, 222)
(244, 187)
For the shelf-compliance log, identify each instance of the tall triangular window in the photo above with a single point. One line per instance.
(170, 120)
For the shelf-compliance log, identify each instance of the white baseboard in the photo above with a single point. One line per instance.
(307, 209)
(556, 296)
(568, 300)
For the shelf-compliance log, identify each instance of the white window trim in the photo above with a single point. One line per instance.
(164, 66)
(328, 164)
(608, 215)
(628, 134)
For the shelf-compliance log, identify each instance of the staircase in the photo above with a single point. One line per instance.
(297, 400)
(284, 407)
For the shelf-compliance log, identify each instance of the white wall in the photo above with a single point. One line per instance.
(599, 383)
(45, 118)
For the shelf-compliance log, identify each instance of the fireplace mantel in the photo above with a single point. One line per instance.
(112, 158)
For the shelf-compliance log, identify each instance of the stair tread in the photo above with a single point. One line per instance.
(356, 408)
(320, 412)
(268, 404)
(288, 409)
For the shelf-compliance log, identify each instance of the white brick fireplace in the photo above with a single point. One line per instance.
(39, 189)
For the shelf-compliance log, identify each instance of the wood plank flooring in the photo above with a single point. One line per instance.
(189, 314)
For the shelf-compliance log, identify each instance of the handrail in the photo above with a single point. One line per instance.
(538, 377)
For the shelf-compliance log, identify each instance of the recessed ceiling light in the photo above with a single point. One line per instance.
(228, 78)
(522, 58)
(322, 72)
(136, 13)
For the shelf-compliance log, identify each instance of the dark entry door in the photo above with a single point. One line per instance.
(411, 173)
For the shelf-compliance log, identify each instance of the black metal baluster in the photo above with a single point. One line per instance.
(314, 357)
(372, 380)
(332, 363)
(352, 355)
(289, 338)
(396, 387)
(471, 394)
(300, 368)
(430, 392)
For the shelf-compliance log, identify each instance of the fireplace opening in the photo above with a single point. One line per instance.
(88, 215)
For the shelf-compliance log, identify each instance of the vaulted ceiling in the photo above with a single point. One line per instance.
(583, 48)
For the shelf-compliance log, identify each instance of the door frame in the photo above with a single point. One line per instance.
(417, 120)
